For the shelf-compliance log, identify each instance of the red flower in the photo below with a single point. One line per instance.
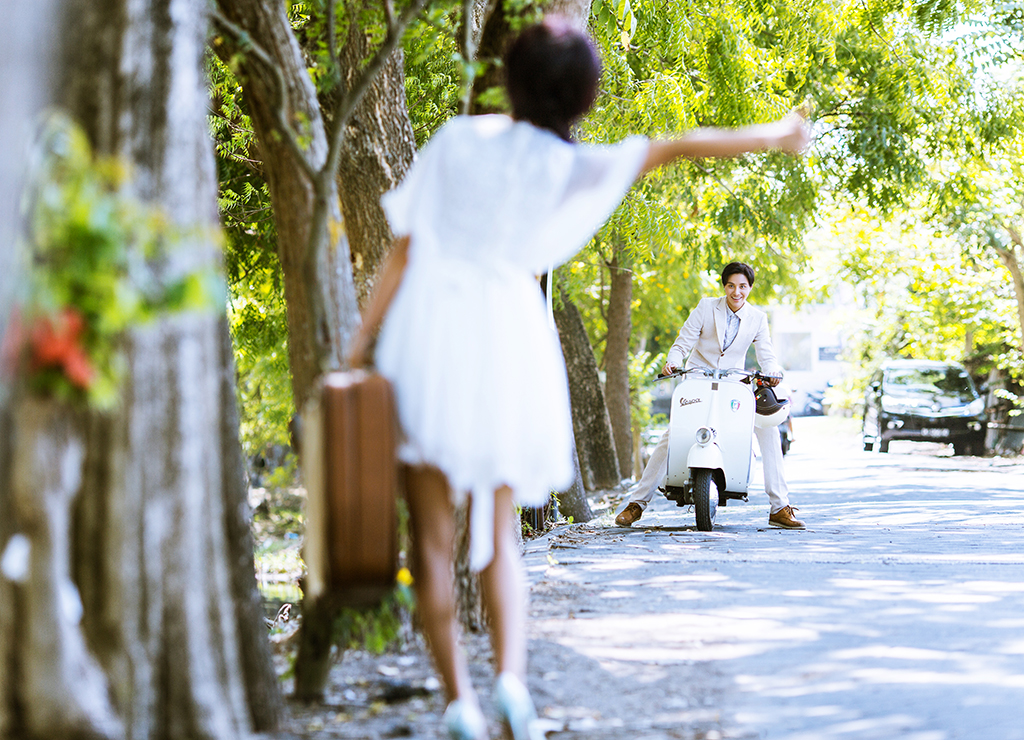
(77, 367)
(55, 343)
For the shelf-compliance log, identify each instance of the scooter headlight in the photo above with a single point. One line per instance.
(704, 435)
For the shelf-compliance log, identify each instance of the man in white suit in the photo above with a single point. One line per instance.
(717, 334)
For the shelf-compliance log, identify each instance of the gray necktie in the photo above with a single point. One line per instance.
(732, 328)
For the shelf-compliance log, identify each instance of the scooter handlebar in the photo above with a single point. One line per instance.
(748, 375)
(706, 371)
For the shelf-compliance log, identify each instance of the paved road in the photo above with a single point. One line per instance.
(898, 613)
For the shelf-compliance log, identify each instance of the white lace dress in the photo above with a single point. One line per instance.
(478, 373)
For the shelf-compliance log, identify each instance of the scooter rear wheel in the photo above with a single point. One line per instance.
(705, 499)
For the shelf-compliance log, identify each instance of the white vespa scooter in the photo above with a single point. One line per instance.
(711, 427)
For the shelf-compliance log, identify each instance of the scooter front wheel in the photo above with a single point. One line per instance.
(705, 498)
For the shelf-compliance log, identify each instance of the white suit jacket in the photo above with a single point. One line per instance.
(700, 340)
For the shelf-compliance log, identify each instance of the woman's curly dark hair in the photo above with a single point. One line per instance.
(551, 73)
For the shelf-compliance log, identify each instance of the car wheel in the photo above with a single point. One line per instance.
(883, 444)
(965, 448)
(869, 444)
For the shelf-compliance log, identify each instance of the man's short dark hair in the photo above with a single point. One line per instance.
(738, 268)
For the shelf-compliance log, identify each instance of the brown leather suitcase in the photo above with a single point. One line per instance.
(351, 433)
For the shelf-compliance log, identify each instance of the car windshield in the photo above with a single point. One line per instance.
(949, 381)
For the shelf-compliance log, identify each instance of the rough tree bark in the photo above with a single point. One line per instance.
(573, 502)
(616, 359)
(24, 41)
(180, 638)
(595, 444)
(160, 573)
(8, 616)
(292, 189)
(368, 140)
(61, 688)
(379, 149)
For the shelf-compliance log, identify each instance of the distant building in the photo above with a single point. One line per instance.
(809, 346)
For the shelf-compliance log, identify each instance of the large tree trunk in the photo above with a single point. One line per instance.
(8, 616)
(61, 689)
(379, 148)
(24, 42)
(177, 631)
(292, 191)
(573, 502)
(161, 575)
(616, 360)
(595, 445)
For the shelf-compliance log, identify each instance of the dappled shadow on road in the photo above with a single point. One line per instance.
(893, 615)
(581, 697)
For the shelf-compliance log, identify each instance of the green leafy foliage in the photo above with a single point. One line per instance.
(433, 68)
(643, 370)
(100, 263)
(904, 97)
(256, 307)
(378, 628)
(917, 294)
(907, 98)
(670, 67)
(257, 312)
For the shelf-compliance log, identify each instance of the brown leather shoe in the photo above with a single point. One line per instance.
(629, 515)
(784, 518)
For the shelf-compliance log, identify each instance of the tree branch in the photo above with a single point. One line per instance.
(247, 44)
(332, 42)
(1015, 235)
(740, 199)
(348, 102)
(468, 56)
(470, 47)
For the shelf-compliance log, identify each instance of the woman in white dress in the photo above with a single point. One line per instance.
(478, 374)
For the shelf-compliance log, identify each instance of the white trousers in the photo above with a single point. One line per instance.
(771, 461)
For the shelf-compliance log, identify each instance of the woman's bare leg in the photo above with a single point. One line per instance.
(503, 591)
(433, 536)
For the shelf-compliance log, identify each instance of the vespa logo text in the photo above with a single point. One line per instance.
(688, 401)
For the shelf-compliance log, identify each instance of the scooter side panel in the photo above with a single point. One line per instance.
(691, 409)
(736, 433)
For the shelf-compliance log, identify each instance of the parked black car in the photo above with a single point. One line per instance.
(924, 401)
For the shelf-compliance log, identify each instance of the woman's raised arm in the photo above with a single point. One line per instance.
(789, 134)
